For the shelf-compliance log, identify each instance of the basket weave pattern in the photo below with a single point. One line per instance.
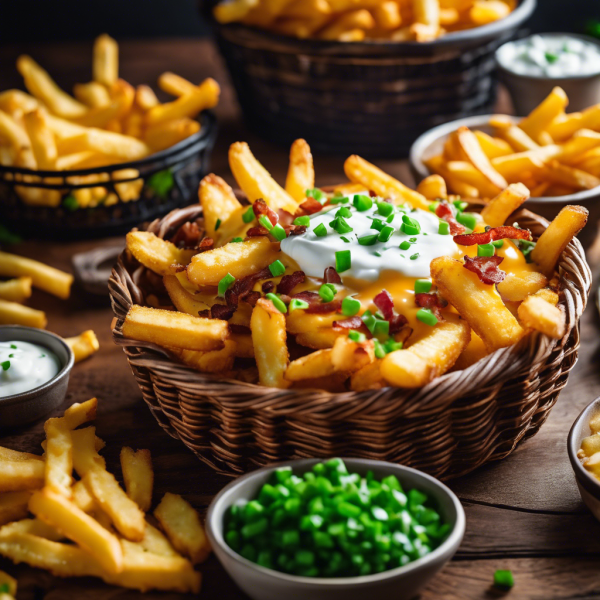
(448, 428)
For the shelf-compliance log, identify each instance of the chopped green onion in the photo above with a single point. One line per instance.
(486, 250)
(460, 204)
(278, 232)
(357, 336)
(5, 365)
(426, 316)
(237, 240)
(343, 261)
(368, 240)
(433, 206)
(302, 221)
(551, 57)
(444, 228)
(504, 579)
(340, 225)
(225, 284)
(327, 292)
(415, 256)
(362, 202)
(339, 200)
(381, 327)
(379, 349)
(392, 345)
(217, 224)
(248, 216)
(320, 230)
(278, 303)
(317, 194)
(297, 304)
(350, 306)
(385, 209)
(526, 247)
(410, 226)
(423, 286)
(377, 254)
(345, 239)
(277, 268)
(469, 220)
(386, 233)
(498, 243)
(13, 346)
(265, 222)
(405, 245)
(377, 224)
(344, 212)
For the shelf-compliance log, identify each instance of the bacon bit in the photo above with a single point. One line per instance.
(384, 302)
(352, 323)
(205, 314)
(289, 282)
(206, 244)
(397, 322)
(261, 208)
(433, 302)
(295, 229)
(308, 296)
(178, 268)
(222, 312)
(256, 232)
(285, 218)
(268, 287)
(188, 235)
(311, 206)
(252, 298)
(332, 276)
(323, 308)
(493, 234)
(372, 194)
(486, 268)
(239, 329)
(444, 212)
(242, 287)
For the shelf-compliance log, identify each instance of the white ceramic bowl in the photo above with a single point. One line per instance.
(402, 583)
(432, 142)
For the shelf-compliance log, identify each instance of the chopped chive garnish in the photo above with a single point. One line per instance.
(237, 240)
(296, 304)
(414, 256)
(277, 268)
(390, 219)
(426, 316)
(368, 240)
(385, 209)
(344, 212)
(377, 254)
(423, 286)
(412, 240)
(278, 232)
(357, 336)
(498, 243)
(317, 194)
(11, 356)
(265, 222)
(381, 327)
(551, 57)
(5, 365)
(405, 245)
(410, 226)
(327, 292)
(43, 356)
(278, 303)
(343, 261)
(444, 228)
(392, 345)
(350, 306)
(504, 579)
(377, 224)
(340, 225)
(379, 349)
(217, 224)
(302, 221)
(225, 283)
(13, 346)
(526, 248)
(486, 250)
(362, 202)
(460, 204)
(248, 216)
(433, 206)
(386, 233)
(320, 230)
(345, 239)
(469, 220)
(339, 200)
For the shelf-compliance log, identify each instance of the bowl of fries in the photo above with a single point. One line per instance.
(370, 75)
(555, 154)
(104, 160)
(250, 353)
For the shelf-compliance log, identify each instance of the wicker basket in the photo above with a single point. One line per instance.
(448, 428)
(374, 96)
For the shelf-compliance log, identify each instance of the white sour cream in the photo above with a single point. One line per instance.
(25, 366)
(554, 56)
(314, 254)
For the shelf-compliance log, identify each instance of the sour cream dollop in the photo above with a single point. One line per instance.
(25, 366)
(408, 254)
(553, 56)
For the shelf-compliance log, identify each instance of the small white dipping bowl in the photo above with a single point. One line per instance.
(402, 583)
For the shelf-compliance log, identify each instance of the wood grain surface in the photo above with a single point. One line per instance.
(523, 513)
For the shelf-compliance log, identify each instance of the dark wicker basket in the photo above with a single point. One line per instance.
(187, 161)
(374, 98)
(448, 428)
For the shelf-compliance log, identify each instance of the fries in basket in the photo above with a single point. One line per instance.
(92, 526)
(360, 286)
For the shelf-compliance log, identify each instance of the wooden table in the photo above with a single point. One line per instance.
(523, 513)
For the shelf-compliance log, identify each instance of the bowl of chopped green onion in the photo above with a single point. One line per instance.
(334, 529)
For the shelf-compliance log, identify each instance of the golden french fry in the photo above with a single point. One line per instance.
(255, 180)
(214, 361)
(119, 105)
(174, 84)
(155, 253)
(368, 378)
(387, 15)
(13, 506)
(484, 12)
(182, 525)
(59, 457)
(301, 172)
(550, 245)
(539, 119)
(466, 172)
(82, 498)
(433, 187)
(234, 10)
(348, 356)
(437, 164)
(16, 103)
(110, 143)
(16, 135)
(16, 476)
(92, 94)
(563, 175)
(168, 133)
(427, 12)
(42, 139)
(13, 313)
(515, 288)
(16, 290)
(145, 98)
(491, 146)
(312, 366)
(540, 315)
(481, 307)
(503, 205)
(244, 347)
(318, 339)
(183, 300)
(138, 476)
(516, 137)
(352, 21)
(105, 63)
(155, 542)
(513, 167)
(218, 203)
(83, 345)
(269, 339)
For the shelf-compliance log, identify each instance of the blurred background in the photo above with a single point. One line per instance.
(34, 20)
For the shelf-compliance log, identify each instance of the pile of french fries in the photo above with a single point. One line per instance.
(357, 20)
(92, 527)
(255, 340)
(551, 152)
(25, 273)
(107, 122)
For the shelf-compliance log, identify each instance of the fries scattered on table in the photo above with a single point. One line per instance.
(107, 122)
(250, 300)
(92, 527)
(355, 21)
(553, 153)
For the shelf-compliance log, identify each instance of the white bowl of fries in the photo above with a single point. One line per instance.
(556, 155)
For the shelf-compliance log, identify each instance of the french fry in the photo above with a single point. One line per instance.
(368, 378)
(427, 12)
(545, 113)
(16, 103)
(353, 21)
(214, 361)
(238, 259)
(515, 288)
(269, 340)
(244, 347)
(491, 146)
(550, 245)
(404, 369)
(46, 278)
(59, 457)
(145, 98)
(183, 300)
(13, 313)
(255, 180)
(514, 166)
(171, 329)
(83, 345)
(17, 476)
(42, 139)
(155, 542)
(234, 10)
(517, 138)
(138, 476)
(182, 525)
(218, 202)
(463, 290)
(484, 12)
(155, 253)
(540, 315)
(433, 187)
(13, 506)
(82, 498)
(504, 204)
(174, 84)
(466, 172)
(85, 451)
(570, 176)
(119, 105)
(105, 65)
(16, 290)
(168, 133)
(301, 172)
(348, 356)
(92, 94)
(436, 164)
(312, 366)
(16, 135)
(318, 339)
(110, 143)
(360, 171)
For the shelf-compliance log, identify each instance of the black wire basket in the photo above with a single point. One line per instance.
(167, 180)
